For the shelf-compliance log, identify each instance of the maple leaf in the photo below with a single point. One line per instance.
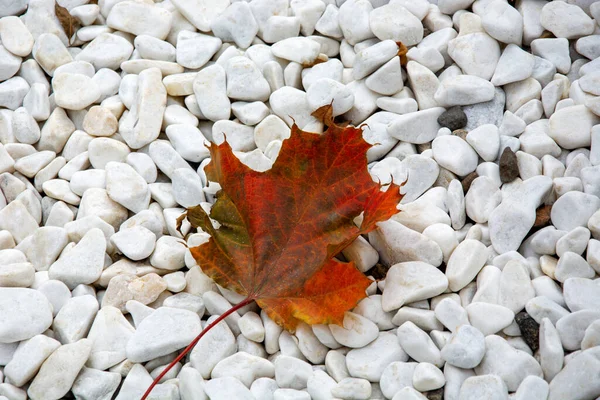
(277, 231)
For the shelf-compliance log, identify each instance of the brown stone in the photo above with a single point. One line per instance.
(509, 168)
(467, 180)
(542, 216)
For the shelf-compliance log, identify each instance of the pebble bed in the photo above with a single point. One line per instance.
(487, 280)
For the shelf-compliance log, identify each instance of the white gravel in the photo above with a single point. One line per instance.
(492, 287)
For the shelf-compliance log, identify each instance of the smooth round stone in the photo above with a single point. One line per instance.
(24, 312)
(454, 154)
(107, 50)
(244, 367)
(416, 127)
(573, 209)
(465, 263)
(291, 372)
(154, 337)
(370, 361)
(580, 373)
(485, 140)
(100, 121)
(74, 91)
(465, 348)
(489, 318)
(483, 387)
(126, 187)
(297, 49)
(327, 91)
(397, 376)
(352, 388)
(9, 64)
(168, 254)
(475, 53)
(570, 127)
(572, 327)
(581, 294)
(428, 377)
(418, 345)
(482, 198)
(195, 49)
(412, 281)
(15, 36)
(510, 364)
(136, 243)
(392, 21)
(58, 372)
(357, 331)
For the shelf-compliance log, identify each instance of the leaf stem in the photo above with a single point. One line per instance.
(227, 313)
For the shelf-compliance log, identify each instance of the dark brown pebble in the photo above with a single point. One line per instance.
(467, 180)
(509, 168)
(530, 330)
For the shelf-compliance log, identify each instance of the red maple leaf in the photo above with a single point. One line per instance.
(279, 230)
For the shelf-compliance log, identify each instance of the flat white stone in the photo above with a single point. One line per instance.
(417, 127)
(58, 372)
(454, 154)
(514, 65)
(25, 313)
(411, 281)
(475, 53)
(50, 52)
(74, 91)
(126, 187)
(211, 92)
(510, 364)
(489, 386)
(291, 372)
(354, 22)
(107, 50)
(573, 209)
(244, 367)
(245, 81)
(489, 318)
(392, 21)
(136, 243)
(140, 19)
(577, 372)
(554, 50)
(418, 345)
(503, 22)
(357, 331)
(195, 49)
(143, 123)
(155, 337)
(84, 263)
(298, 49)
(93, 383)
(566, 20)
(15, 36)
(370, 361)
(464, 90)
